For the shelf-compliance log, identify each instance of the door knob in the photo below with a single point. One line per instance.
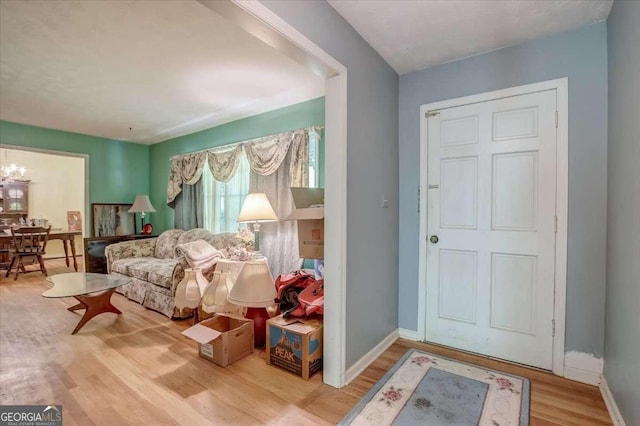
(434, 239)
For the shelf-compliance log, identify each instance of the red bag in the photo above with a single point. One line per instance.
(295, 278)
(312, 298)
(299, 294)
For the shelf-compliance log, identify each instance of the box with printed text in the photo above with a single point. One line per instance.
(295, 344)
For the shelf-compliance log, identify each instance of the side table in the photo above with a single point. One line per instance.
(94, 258)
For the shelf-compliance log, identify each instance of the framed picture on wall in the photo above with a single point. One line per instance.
(74, 220)
(112, 219)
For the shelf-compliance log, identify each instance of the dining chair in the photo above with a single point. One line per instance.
(28, 242)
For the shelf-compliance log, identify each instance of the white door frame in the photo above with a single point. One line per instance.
(293, 43)
(562, 182)
(86, 230)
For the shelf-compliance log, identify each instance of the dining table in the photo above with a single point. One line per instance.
(66, 236)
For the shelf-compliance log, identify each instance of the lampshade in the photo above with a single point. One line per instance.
(231, 267)
(254, 287)
(257, 208)
(190, 289)
(142, 204)
(215, 296)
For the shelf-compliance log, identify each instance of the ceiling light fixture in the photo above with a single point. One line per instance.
(10, 172)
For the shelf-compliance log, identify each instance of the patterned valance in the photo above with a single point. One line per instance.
(265, 155)
(192, 166)
(223, 164)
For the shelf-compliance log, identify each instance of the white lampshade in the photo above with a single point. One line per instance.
(215, 297)
(231, 267)
(257, 208)
(254, 287)
(142, 204)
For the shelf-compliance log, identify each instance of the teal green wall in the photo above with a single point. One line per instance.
(293, 117)
(118, 171)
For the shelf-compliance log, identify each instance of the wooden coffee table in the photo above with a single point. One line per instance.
(82, 286)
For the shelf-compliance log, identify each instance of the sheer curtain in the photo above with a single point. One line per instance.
(212, 196)
(224, 199)
(279, 240)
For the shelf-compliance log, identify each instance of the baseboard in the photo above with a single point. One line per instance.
(614, 412)
(357, 368)
(408, 334)
(584, 368)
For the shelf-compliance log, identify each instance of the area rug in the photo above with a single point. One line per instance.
(425, 389)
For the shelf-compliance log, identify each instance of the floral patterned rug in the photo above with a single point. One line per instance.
(425, 389)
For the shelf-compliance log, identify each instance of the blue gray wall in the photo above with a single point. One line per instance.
(622, 342)
(372, 161)
(580, 55)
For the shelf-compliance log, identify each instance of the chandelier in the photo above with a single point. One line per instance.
(11, 172)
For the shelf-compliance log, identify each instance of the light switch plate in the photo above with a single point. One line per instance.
(383, 201)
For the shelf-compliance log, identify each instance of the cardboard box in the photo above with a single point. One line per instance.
(309, 213)
(202, 315)
(295, 345)
(223, 339)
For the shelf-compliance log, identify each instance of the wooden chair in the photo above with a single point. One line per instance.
(28, 242)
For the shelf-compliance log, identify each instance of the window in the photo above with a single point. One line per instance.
(314, 159)
(221, 215)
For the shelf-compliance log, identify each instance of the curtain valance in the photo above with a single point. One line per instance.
(265, 155)
(224, 164)
(192, 166)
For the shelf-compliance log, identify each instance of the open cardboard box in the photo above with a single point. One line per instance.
(223, 339)
(309, 213)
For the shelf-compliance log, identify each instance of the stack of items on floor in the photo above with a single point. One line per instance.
(225, 336)
(294, 338)
(200, 255)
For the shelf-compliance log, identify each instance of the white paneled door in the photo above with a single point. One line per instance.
(491, 227)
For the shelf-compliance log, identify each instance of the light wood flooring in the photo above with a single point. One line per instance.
(136, 368)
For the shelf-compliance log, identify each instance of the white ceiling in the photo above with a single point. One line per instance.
(416, 34)
(161, 68)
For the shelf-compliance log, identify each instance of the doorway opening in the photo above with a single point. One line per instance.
(56, 191)
(267, 26)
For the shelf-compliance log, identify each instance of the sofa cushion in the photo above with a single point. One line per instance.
(162, 274)
(121, 266)
(167, 242)
(222, 242)
(151, 269)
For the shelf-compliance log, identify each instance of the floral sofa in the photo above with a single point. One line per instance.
(156, 270)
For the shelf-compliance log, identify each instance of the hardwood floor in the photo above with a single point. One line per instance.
(136, 368)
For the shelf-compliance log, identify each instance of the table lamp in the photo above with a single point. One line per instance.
(257, 209)
(140, 205)
(255, 289)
